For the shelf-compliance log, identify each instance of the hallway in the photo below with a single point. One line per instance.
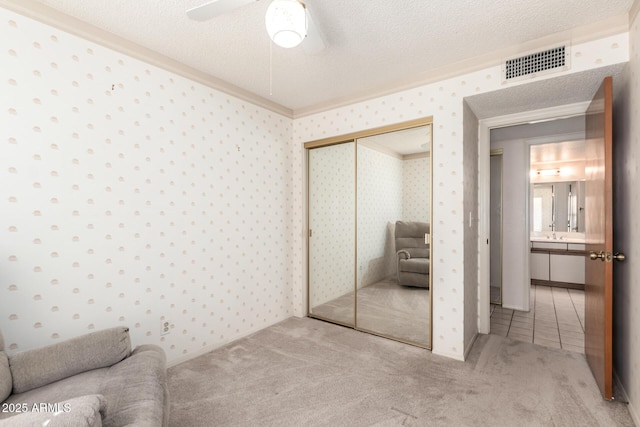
(556, 319)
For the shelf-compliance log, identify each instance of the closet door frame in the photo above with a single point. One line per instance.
(353, 137)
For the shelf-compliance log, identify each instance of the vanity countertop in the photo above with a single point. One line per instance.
(557, 240)
(568, 246)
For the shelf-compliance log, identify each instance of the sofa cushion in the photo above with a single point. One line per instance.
(38, 367)
(68, 388)
(77, 412)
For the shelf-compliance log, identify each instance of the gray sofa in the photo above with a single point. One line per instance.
(91, 380)
(412, 253)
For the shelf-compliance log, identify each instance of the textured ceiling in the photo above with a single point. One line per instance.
(371, 44)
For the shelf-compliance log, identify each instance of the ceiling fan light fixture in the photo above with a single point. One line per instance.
(286, 22)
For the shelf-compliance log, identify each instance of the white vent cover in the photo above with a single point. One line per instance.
(537, 63)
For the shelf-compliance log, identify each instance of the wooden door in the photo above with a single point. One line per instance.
(598, 338)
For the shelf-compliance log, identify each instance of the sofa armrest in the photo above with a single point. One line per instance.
(403, 254)
(137, 387)
(418, 252)
(34, 368)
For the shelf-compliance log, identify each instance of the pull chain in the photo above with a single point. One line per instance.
(270, 68)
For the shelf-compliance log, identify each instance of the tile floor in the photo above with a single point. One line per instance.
(556, 319)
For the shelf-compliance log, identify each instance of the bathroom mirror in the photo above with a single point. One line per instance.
(557, 173)
(558, 206)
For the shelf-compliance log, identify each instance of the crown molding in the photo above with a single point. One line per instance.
(49, 16)
(608, 27)
(380, 149)
(414, 156)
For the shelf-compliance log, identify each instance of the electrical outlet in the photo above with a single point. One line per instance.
(166, 327)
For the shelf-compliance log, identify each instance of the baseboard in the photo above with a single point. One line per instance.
(553, 284)
(470, 346)
(450, 355)
(212, 347)
(513, 307)
(624, 397)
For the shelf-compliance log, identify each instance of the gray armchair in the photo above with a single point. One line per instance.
(91, 380)
(412, 253)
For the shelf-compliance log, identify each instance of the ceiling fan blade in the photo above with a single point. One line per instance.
(215, 8)
(313, 43)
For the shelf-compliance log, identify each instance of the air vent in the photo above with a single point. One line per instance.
(536, 63)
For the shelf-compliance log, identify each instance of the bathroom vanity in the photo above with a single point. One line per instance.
(557, 233)
(558, 262)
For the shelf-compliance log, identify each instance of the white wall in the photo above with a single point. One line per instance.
(471, 190)
(443, 101)
(130, 193)
(515, 237)
(626, 225)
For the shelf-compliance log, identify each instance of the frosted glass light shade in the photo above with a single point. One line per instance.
(286, 22)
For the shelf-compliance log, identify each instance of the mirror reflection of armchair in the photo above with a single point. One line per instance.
(412, 253)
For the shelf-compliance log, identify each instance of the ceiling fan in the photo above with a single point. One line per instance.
(288, 22)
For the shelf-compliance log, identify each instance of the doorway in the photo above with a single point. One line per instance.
(521, 250)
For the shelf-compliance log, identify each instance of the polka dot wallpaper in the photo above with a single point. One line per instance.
(131, 195)
(416, 185)
(444, 102)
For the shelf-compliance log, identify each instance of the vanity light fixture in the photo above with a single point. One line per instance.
(548, 172)
(286, 22)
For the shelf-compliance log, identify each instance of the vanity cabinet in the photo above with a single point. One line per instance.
(539, 266)
(566, 268)
(557, 264)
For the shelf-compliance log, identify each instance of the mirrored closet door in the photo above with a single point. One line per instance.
(332, 232)
(369, 216)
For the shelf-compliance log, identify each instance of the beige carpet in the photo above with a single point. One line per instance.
(305, 372)
(385, 308)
